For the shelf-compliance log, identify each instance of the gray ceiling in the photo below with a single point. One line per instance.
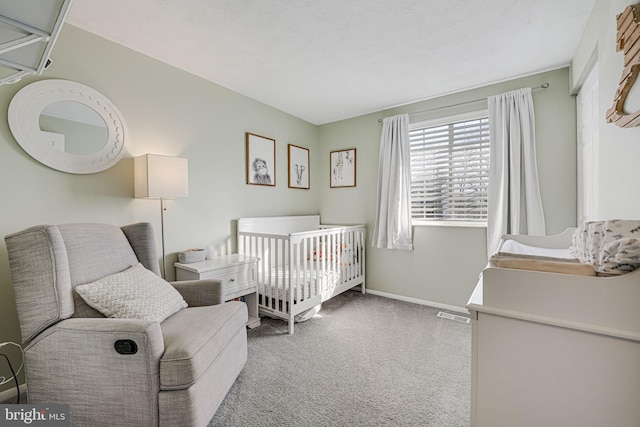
(328, 60)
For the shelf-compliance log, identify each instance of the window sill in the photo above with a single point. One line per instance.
(467, 224)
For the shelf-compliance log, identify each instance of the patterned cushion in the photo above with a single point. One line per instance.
(620, 256)
(611, 247)
(135, 293)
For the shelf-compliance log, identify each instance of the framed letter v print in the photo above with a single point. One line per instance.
(298, 167)
(261, 160)
(343, 168)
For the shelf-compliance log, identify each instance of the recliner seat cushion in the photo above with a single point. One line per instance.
(194, 338)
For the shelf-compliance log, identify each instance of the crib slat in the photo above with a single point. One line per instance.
(360, 264)
(282, 268)
(318, 266)
(287, 289)
(337, 277)
(349, 261)
(343, 237)
(339, 264)
(277, 274)
(303, 272)
(294, 255)
(325, 254)
(285, 273)
(266, 242)
(294, 277)
(348, 247)
(332, 262)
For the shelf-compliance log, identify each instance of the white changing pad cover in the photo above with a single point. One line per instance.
(517, 248)
(516, 255)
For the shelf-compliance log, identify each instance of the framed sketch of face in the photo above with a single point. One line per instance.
(261, 160)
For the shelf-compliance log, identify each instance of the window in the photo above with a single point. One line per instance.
(450, 170)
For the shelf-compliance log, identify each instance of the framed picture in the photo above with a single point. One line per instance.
(261, 160)
(298, 167)
(343, 168)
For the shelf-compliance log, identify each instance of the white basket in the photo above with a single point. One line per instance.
(191, 255)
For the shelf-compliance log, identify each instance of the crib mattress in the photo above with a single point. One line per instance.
(306, 283)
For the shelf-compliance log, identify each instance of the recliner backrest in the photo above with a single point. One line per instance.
(48, 261)
(94, 251)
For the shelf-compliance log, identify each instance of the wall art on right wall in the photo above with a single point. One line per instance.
(627, 41)
(343, 168)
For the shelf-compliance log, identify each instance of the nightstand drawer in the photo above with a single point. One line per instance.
(237, 281)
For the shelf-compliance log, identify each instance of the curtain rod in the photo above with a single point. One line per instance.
(542, 86)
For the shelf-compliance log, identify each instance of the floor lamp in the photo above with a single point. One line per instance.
(161, 177)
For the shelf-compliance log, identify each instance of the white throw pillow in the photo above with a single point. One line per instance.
(135, 293)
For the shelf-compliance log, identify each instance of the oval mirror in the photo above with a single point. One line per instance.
(75, 128)
(67, 126)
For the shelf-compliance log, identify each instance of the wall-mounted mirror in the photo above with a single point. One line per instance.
(75, 128)
(67, 126)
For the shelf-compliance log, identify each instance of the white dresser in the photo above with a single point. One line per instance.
(555, 350)
(237, 273)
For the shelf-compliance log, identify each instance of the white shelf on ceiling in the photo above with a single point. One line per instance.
(28, 31)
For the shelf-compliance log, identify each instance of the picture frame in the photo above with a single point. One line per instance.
(298, 167)
(342, 164)
(261, 160)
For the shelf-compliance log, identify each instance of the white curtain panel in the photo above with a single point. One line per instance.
(515, 205)
(393, 216)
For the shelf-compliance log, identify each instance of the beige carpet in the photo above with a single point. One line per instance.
(363, 361)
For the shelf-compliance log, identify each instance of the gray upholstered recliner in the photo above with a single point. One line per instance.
(183, 367)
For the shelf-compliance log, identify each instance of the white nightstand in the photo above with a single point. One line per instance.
(237, 272)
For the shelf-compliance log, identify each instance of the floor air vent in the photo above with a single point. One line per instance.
(455, 317)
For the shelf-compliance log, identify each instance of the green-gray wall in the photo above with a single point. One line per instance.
(446, 261)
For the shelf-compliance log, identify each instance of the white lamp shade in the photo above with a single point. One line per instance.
(161, 177)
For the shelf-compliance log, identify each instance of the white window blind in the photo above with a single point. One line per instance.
(450, 169)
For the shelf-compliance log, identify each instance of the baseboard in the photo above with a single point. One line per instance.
(10, 395)
(447, 307)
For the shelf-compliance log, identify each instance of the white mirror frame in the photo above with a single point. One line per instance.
(24, 122)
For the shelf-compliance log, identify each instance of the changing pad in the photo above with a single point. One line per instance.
(516, 255)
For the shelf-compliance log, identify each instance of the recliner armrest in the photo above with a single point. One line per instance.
(76, 362)
(201, 292)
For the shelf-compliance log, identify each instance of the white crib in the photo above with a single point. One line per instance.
(301, 262)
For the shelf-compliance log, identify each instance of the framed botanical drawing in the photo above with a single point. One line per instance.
(343, 168)
(261, 160)
(298, 167)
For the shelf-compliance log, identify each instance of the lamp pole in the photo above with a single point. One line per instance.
(162, 209)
